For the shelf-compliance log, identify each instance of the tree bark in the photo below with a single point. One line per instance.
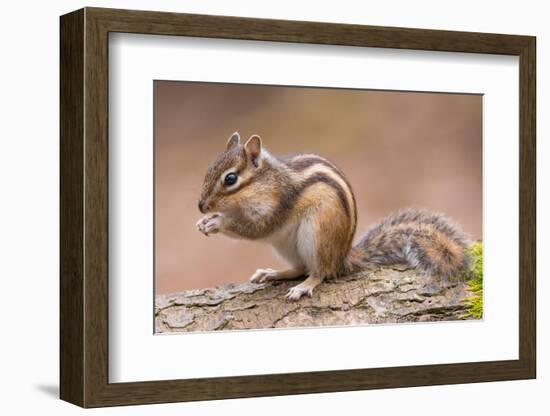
(385, 295)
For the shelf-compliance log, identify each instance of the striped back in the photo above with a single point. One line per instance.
(312, 169)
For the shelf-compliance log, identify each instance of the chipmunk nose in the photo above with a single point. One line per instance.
(203, 207)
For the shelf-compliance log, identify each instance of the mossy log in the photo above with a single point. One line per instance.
(386, 295)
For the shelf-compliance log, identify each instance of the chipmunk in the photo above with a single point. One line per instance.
(305, 208)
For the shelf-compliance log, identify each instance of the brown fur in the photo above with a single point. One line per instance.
(300, 163)
(331, 225)
(311, 192)
(428, 241)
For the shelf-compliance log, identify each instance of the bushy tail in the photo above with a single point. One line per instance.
(427, 241)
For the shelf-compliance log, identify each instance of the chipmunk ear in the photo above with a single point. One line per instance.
(234, 140)
(253, 149)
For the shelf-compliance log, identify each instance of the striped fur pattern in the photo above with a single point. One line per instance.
(302, 205)
(305, 208)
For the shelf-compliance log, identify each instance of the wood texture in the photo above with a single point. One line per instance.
(387, 295)
(71, 343)
(527, 209)
(84, 206)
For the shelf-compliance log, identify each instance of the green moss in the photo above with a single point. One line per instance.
(474, 279)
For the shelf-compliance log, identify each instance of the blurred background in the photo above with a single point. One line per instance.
(398, 149)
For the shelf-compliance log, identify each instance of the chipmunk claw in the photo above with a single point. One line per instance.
(209, 224)
(296, 292)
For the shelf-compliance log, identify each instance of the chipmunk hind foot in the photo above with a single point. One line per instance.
(304, 288)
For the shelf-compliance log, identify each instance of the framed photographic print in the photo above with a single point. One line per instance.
(255, 207)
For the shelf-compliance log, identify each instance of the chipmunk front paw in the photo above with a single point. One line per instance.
(296, 292)
(210, 224)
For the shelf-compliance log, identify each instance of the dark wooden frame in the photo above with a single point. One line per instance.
(84, 207)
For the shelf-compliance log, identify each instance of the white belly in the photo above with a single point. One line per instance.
(295, 243)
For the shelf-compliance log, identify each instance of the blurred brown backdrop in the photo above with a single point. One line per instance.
(398, 149)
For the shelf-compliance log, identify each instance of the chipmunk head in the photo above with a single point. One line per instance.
(233, 170)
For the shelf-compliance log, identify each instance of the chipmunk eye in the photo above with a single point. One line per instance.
(230, 179)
